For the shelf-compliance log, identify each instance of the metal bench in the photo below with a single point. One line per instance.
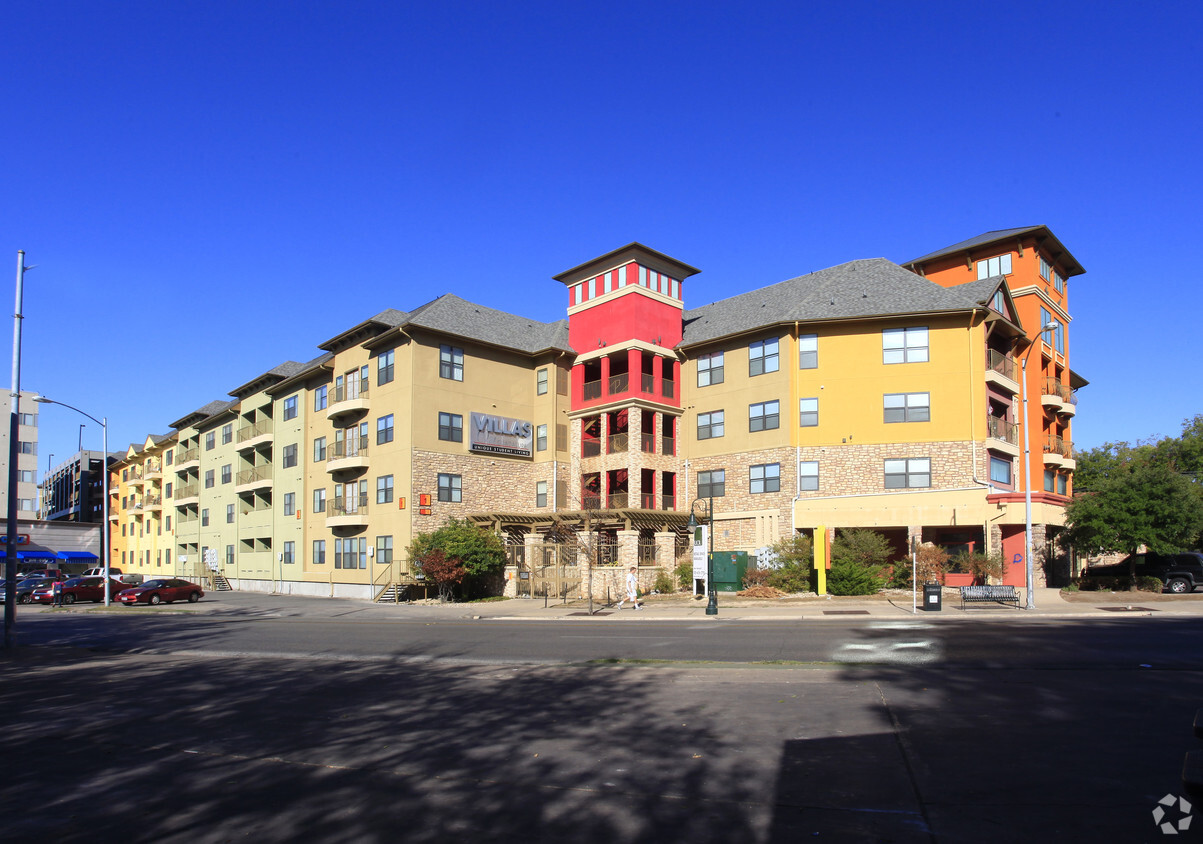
(989, 595)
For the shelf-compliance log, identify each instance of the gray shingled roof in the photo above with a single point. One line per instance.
(873, 287)
(1049, 242)
(454, 315)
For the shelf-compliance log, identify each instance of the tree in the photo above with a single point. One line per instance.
(793, 564)
(477, 550)
(444, 572)
(858, 559)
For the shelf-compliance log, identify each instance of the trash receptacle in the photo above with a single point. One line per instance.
(932, 595)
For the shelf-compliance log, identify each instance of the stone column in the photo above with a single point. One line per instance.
(666, 549)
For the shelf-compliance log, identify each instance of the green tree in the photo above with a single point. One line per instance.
(478, 551)
(793, 564)
(861, 546)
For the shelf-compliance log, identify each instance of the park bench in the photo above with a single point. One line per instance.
(989, 595)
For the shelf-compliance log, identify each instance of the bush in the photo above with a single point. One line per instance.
(1149, 584)
(859, 546)
(979, 565)
(854, 578)
(684, 573)
(796, 550)
(756, 577)
(933, 562)
(663, 583)
(794, 577)
(900, 576)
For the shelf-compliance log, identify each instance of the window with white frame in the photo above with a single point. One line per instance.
(808, 351)
(541, 493)
(764, 477)
(991, 267)
(710, 369)
(1050, 479)
(290, 552)
(319, 552)
(904, 345)
(319, 500)
(907, 407)
(229, 514)
(710, 425)
(227, 434)
(319, 449)
(712, 484)
(290, 408)
(450, 488)
(541, 438)
(1062, 483)
(227, 473)
(384, 429)
(541, 382)
(808, 475)
(808, 412)
(764, 416)
(384, 550)
(1045, 269)
(290, 504)
(763, 356)
(209, 481)
(320, 398)
(908, 473)
(210, 440)
(451, 363)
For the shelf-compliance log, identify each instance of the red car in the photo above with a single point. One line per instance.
(79, 589)
(162, 590)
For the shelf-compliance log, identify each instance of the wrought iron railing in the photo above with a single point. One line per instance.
(1002, 429)
(1001, 363)
(616, 443)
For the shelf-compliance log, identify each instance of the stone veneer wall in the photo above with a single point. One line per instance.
(860, 469)
(489, 483)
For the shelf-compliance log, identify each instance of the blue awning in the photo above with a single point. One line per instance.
(32, 555)
(75, 555)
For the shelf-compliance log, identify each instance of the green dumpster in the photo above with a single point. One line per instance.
(729, 570)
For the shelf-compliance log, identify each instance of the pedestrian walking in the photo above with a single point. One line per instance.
(632, 590)
(57, 591)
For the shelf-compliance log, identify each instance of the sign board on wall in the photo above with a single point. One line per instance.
(500, 435)
(701, 546)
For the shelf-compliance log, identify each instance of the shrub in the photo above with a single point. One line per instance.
(445, 572)
(933, 562)
(684, 573)
(663, 583)
(756, 577)
(979, 565)
(794, 577)
(866, 548)
(854, 578)
(900, 575)
(796, 550)
(1147, 583)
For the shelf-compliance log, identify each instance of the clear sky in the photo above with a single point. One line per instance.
(209, 189)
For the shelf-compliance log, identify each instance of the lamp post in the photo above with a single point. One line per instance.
(707, 507)
(104, 479)
(10, 542)
(1027, 472)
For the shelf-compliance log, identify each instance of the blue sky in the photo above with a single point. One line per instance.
(171, 167)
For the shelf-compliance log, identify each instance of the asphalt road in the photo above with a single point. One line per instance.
(264, 726)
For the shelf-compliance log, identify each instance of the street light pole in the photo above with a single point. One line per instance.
(104, 480)
(10, 545)
(1027, 473)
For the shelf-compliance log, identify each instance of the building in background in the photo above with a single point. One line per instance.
(73, 491)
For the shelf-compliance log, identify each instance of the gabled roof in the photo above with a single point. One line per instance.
(867, 288)
(1048, 242)
(261, 382)
(199, 415)
(453, 315)
(370, 327)
(634, 251)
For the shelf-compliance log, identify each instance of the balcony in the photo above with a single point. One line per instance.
(590, 448)
(134, 478)
(187, 458)
(250, 436)
(255, 478)
(1059, 452)
(187, 494)
(152, 502)
(619, 384)
(592, 390)
(616, 443)
(1001, 371)
(348, 399)
(618, 500)
(1059, 397)
(1004, 435)
(154, 469)
(648, 443)
(351, 454)
(347, 512)
(668, 445)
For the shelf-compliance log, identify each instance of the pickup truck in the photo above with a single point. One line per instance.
(1181, 573)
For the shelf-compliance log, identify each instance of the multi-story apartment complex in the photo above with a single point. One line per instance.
(73, 491)
(864, 395)
(27, 455)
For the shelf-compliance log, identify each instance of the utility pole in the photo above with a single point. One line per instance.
(10, 549)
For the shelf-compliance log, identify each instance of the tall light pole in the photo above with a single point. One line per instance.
(708, 508)
(1027, 471)
(10, 545)
(104, 479)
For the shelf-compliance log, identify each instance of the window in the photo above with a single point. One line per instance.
(908, 473)
(319, 500)
(229, 514)
(205, 517)
(904, 345)
(1000, 470)
(384, 368)
(451, 427)
(210, 440)
(541, 382)
(27, 447)
(167, 520)
(765, 477)
(226, 473)
(991, 267)
(384, 549)
(290, 504)
(227, 434)
(1050, 478)
(1045, 269)
(808, 351)
(319, 449)
(907, 407)
(451, 363)
(808, 412)
(30, 419)
(764, 416)
(384, 429)
(999, 302)
(290, 456)
(319, 552)
(808, 475)
(541, 438)
(384, 489)
(1062, 483)
(208, 479)
(169, 456)
(710, 425)
(710, 369)
(450, 488)
(350, 553)
(290, 408)
(712, 483)
(541, 493)
(762, 357)
(290, 553)
(1058, 282)
(229, 555)
(320, 398)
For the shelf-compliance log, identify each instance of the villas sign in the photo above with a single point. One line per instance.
(500, 435)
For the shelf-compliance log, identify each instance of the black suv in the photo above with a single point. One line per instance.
(1180, 573)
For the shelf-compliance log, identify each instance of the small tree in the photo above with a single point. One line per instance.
(444, 572)
(932, 562)
(477, 550)
(794, 564)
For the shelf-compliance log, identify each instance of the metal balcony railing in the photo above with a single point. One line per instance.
(668, 445)
(253, 475)
(617, 500)
(188, 455)
(616, 443)
(619, 383)
(1001, 363)
(648, 443)
(356, 388)
(647, 384)
(668, 502)
(590, 448)
(355, 505)
(647, 500)
(1053, 387)
(1057, 445)
(590, 501)
(666, 388)
(1002, 429)
(249, 432)
(347, 448)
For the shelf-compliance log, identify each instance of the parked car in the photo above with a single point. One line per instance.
(79, 589)
(25, 587)
(98, 571)
(161, 590)
(54, 573)
(1181, 573)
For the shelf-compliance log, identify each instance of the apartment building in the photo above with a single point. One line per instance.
(864, 395)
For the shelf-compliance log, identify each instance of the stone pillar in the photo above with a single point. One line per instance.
(628, 549)
(666, 550)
